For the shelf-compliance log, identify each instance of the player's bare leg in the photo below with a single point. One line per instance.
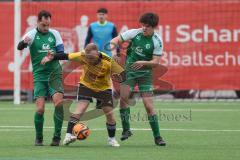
(57, 117)
(82, 106)
(111, 126)
(152, 118)
(39, 120)
(125, 111)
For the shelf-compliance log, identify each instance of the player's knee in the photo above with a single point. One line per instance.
(110, 119)
(40, 110)
(57, 99)
(58, 102)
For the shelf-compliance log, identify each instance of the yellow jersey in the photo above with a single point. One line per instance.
(96, 77)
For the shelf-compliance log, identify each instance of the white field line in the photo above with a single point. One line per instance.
(31, 128)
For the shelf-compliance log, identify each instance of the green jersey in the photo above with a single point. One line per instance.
(141, 48)
(39, 46)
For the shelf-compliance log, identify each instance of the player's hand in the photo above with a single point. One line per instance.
(47, 58)
(27, 40)
(116, 77)
(137, 65)
(119, 77)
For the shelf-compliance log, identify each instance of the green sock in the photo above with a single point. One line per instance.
(153, 121)
(125, 116)
(38, 122)
(58, 120)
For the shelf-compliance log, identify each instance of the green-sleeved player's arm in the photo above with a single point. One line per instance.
(115, 42)
(77, 56)
(118, 73)
(70, 56)
(116, 68)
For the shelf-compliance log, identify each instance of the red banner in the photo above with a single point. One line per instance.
(201, 39)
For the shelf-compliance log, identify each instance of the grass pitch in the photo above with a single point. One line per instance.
(199, 131)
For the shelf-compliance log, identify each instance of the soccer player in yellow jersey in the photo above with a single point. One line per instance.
(95, 82)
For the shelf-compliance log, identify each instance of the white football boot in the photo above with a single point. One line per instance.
(113, 142)
(69, 138)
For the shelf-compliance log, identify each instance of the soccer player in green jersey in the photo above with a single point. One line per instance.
(47, 78)
(143, 53)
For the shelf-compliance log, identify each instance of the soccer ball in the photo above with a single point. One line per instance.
(81, 131)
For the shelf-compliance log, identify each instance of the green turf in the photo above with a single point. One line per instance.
(208, 130)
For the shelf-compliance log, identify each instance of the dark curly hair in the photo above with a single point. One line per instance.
(151, 19)
(45, 14)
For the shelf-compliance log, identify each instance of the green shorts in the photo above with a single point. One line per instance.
(141, 79)
(45, 88)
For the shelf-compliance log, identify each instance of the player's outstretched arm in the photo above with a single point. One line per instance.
(24, 43)
(63, 56)
(119, 77)
(114, 43)
(51, 56)
(117, 71)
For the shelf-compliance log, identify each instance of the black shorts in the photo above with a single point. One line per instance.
(104, 98)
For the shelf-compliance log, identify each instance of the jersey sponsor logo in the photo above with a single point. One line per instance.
(50, 39)
(139, 51)
(148, 46)
(45, 46)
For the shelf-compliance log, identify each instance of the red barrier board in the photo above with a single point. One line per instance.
(201, 39)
